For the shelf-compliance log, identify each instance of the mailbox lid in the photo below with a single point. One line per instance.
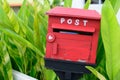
(73, 12)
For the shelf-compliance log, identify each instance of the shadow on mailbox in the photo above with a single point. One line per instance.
(72, 39)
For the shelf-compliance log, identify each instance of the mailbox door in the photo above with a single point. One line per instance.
(71, 46)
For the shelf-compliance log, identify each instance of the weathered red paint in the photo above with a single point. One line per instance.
(72, 34)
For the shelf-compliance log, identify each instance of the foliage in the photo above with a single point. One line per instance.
(5, 63)
(110, 35)
(108, 63)
(24, 42)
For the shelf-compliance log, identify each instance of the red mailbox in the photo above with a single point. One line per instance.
(72, 35)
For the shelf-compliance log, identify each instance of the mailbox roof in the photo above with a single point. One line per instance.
(73, 12)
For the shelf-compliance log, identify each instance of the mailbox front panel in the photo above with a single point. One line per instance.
(72, 38)
(72, 47)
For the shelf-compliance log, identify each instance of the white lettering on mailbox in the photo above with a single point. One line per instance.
(70, 21)
(77, 22)
(62, 20)
(85, 22)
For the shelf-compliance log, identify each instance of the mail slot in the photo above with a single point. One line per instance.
(72, 36)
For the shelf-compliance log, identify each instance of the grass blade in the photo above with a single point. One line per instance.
(96, 73)
(87, 4)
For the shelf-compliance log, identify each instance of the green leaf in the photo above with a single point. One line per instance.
(22, 11)
(46, 6)
(19, 38)
(4, 20)
(37, 35)
(96, 73)
(117, 77)
(110, 31)
(5, 6)
(67, 3)
(50, 75)
(56, 3)
(5, 63)
(11, 15)
(116, 5)
(87, 4)
(100, 51)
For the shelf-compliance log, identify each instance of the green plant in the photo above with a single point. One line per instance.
(22, 41)
(23, 35)
(108, 55)
(110, 34)
(5, 63)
